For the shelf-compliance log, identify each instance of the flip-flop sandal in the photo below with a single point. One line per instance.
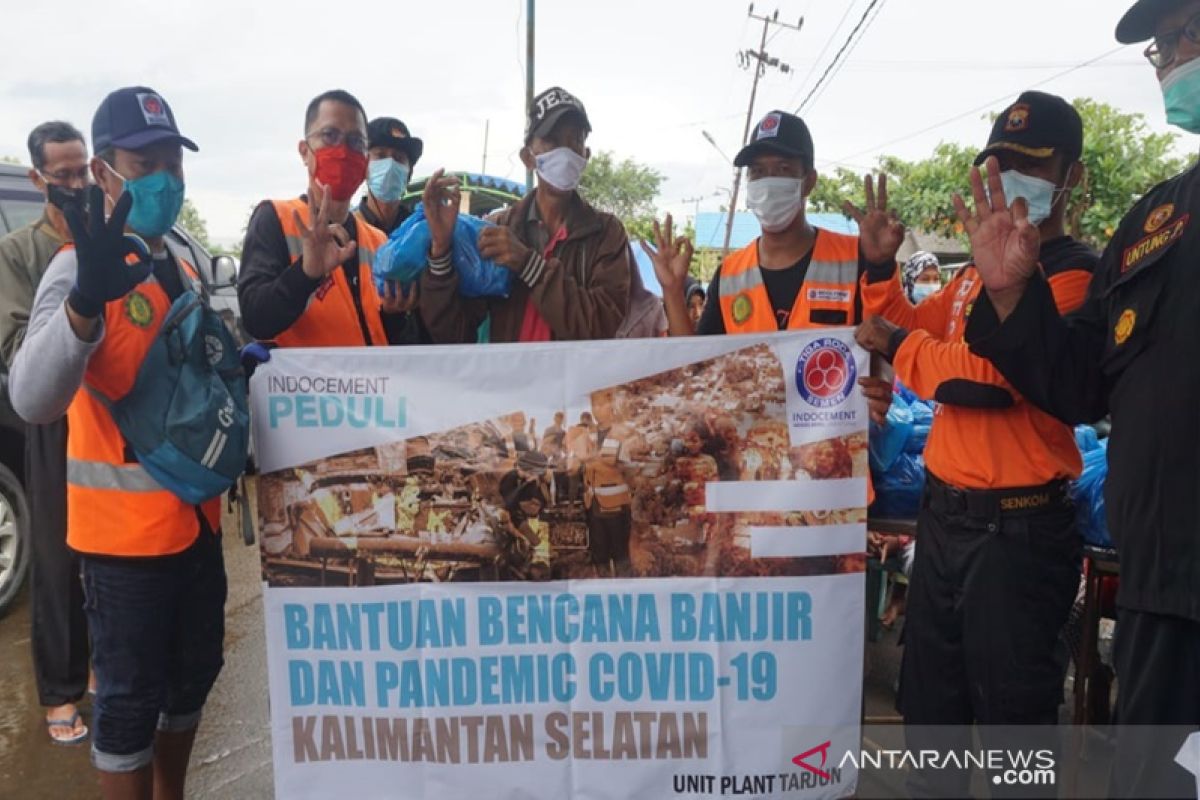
(66, 723)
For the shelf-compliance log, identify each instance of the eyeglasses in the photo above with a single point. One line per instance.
(332, 137)
(65, 176)
(1162, 52)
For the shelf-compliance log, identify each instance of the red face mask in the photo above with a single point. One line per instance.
(340, 169)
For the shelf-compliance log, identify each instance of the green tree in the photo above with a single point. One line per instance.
(191, 221)
(625, 189)
(9, 160)
(1123, 159)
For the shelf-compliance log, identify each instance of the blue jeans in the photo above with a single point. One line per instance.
(157, 629)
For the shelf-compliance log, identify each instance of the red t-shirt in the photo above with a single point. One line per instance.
(533, 327)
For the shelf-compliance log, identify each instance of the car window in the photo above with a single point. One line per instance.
(20, 212)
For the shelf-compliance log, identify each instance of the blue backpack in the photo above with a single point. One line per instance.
(187, 418)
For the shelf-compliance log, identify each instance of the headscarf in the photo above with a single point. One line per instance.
(916, 264)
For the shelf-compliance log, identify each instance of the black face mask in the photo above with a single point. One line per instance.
(60, 196)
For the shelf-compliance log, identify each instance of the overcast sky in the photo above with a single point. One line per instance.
(653, 74)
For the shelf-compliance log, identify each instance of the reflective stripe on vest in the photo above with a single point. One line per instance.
(611, 490)
(100, 475)
(330, 318)
(827, 296)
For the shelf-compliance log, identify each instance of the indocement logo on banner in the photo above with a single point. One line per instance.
(338, 401)
(823, 385)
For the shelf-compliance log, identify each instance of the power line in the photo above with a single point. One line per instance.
(861, 21)
(982, 107)
(824, 50)
(849, 53)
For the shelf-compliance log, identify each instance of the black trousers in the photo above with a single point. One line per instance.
(989, 593)
(59, 628)
(1157, 660)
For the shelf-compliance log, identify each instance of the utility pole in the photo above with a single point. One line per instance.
(487, 124)
(528, 77)
(760, 60)
(695, 200)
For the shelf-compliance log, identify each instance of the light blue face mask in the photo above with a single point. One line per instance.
(1181, 93)
(923, 291)
(387, 179)
(157, 201)
(1039, 194)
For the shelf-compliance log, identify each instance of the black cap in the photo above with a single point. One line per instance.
(779, 133)
(1138, 23)
(391, 132)
(1038, 125)
(133, 118)
(548, 108)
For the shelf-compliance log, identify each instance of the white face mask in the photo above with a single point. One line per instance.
(775, 201)
(561, 168)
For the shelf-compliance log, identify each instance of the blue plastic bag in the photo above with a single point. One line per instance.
(477, 277)
(887, 442)
(922, 413)
(898, 490)
(1088, 493)
(1086, 439)
(406, 252)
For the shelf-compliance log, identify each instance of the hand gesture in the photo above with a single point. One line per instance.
(671, 257)
(1004, 243)
(395, 300)
(878, 394)
(498, 243)
(880, 232)
(875, 335)
(441, 200)
(101, 250)
(326, 244)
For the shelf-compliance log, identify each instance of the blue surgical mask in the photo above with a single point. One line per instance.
(921, 291)
(387, 179)
(157, 200)
(1038, 193)
(1181, 93)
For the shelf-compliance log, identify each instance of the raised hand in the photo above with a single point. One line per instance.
(441, 200)
(498, 243)
(102, 249)
(1004, 243)
(326, 244)
(880, 232)
(671, 257)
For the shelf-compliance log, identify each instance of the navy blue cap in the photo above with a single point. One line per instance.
(133, 118)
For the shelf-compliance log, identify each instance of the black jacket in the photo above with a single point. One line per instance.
(1132, 351)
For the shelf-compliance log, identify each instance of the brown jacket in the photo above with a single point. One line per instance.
(582, 292)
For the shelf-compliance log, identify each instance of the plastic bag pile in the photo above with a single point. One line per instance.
(897, 464)
(405, 254)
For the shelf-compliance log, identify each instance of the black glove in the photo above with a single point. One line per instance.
(101, 249)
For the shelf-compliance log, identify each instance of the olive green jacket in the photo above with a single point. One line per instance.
(24, 255)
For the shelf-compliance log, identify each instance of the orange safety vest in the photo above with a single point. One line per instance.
(606, 486)
(331, 320)
(827, 296)
(114, 507)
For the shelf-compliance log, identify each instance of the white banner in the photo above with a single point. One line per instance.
(592, 570)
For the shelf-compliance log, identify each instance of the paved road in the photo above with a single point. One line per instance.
(232, 758)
